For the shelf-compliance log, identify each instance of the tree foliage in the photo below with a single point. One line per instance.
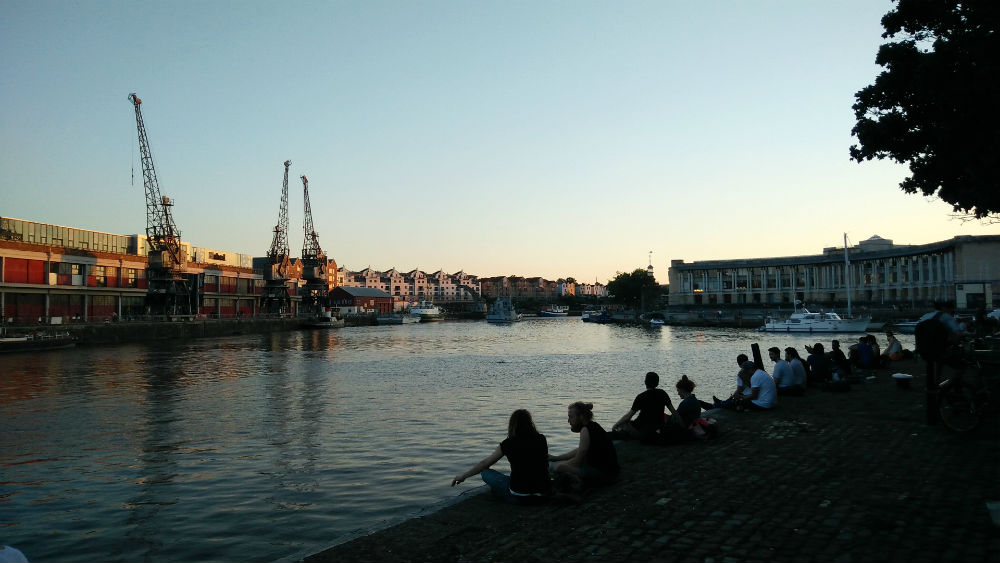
(630, 288)
(935, 106)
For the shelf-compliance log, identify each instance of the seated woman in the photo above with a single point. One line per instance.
(594, 461)
(677, 427)
(528, 454)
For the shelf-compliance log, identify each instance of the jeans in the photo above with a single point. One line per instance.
(499, 484)
(500, 488)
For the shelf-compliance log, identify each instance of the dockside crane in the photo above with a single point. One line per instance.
(314, 263)
(276, 299)
(169, 290)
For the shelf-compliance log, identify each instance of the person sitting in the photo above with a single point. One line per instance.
(649, 405)
(763, 392)
(820, 367)
(799, 366)
(893, 350)
(677, 426)
(841, 365)
(785, 378)
(594, 462)
(528, 454)
(862, 356)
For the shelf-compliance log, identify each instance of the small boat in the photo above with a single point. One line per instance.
(600, 317)
(326, 318)
(657, 322)
(426, 312)
(35, 342)
(803, 320)
(503, 311)
(554, 311)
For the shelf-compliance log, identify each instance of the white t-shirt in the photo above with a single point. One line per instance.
(783, 374)
(768, 394)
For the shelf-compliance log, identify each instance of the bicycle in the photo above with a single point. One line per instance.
(963, 401)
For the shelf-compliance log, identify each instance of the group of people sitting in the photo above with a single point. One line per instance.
(594, 462)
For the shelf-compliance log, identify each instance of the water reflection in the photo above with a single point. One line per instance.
(261, 446)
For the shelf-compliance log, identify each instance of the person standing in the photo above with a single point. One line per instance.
(527, 452)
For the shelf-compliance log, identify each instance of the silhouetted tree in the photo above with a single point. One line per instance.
(628, 289)
(935, 106)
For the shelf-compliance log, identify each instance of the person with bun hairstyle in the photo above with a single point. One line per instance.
(528, 454)
(677, 427)
(594, 462)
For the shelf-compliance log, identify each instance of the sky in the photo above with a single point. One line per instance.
(542, 138)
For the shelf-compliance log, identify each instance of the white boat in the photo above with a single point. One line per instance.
(803, 320)
(657, 322)
(426, 312)
(503, 311)
(554, 311)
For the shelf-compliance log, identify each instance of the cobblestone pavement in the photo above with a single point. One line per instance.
(840, 477)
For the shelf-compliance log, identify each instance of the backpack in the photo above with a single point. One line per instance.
(931, 338)
(705, 428)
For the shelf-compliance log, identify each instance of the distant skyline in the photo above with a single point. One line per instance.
(553, 139)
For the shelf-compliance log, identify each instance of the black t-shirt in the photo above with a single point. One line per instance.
(601, 453)
(529, 463)
(650, 404)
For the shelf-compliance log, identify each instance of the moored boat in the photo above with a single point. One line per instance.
(554, 311)
(426, 312)
(325, 318)
(503, 311)
(803, 320)
(36, 342)
(600, 317)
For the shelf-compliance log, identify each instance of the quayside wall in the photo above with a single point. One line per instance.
(142, 331)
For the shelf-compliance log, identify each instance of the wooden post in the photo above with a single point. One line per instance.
(757, 358)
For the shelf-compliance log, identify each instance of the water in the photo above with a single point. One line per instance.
(266, 447)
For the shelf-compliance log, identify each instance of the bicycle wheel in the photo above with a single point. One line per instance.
(958, 408)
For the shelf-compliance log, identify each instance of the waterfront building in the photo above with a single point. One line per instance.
(51, 274)
(361, 301)
(878, 274)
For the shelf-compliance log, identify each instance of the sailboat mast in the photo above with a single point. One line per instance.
(847, 276)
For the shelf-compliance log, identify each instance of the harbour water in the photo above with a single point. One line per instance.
(268, 447)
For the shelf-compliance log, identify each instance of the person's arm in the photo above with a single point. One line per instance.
(621, 421)
(670, 405)
(576, 456)
(754, 393)
(479, 467)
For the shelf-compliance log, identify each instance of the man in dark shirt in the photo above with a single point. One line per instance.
(649, 405)
(594, 461)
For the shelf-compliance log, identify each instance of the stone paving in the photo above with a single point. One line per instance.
(830, 477)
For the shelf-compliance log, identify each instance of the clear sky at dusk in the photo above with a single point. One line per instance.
(534, 138)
